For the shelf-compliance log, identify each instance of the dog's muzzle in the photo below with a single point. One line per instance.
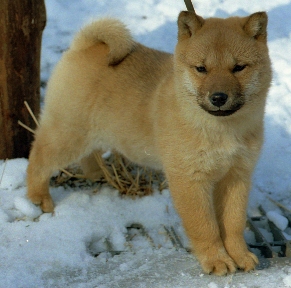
(218, 100)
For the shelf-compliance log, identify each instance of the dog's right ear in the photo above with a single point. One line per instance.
(188, 23)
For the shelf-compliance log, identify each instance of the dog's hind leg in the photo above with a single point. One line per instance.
(53, 148)
(90, 166)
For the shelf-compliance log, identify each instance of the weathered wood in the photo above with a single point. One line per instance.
(21, 26)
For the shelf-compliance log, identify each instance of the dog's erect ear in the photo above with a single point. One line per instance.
(256, 26)
(188, 23)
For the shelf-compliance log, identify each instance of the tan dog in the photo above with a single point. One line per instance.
(197, 114)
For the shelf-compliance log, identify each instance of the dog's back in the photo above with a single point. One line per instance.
(109, 78)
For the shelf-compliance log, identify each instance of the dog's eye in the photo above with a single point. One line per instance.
(201, 69)
(238, 68)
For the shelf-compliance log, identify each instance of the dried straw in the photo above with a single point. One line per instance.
(26, 127)
(31, 113)
(279, 204)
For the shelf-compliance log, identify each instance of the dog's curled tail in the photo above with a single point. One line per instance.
(112, 32)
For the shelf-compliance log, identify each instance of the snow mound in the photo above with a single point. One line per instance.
(280, 221)
(13, 174)
(27, 208)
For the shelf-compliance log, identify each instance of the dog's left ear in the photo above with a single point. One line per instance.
(188, 24)
(256, 26)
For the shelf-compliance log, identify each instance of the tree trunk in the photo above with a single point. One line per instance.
(21, 26)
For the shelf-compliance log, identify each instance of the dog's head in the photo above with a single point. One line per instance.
(223, 64)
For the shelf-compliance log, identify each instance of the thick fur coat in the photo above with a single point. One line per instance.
(197, 115)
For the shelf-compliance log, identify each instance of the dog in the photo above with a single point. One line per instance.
(197, 115)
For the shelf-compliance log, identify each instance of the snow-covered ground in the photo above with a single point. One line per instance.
(44, 250)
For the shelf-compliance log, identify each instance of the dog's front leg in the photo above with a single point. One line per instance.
(231, 196)
(193, 201)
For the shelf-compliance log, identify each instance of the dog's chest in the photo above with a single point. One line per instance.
(216, 153)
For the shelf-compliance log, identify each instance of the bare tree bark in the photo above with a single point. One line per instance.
(21, 26)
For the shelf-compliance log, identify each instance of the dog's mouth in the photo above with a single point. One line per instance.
(221, 112)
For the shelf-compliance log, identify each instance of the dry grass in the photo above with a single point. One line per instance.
(128, 178)
(116, 171)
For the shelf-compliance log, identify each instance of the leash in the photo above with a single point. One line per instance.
(189, 5)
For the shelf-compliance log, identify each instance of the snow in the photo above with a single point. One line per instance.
(45, 250)
(280, 221)
(24, 206)
(12, 174)
(212, 285)
(287, 281)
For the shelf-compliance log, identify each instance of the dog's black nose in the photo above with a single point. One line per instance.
(218, 99)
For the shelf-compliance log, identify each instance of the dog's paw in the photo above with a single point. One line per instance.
(45, 202)
(218, 263)
(246, 261)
